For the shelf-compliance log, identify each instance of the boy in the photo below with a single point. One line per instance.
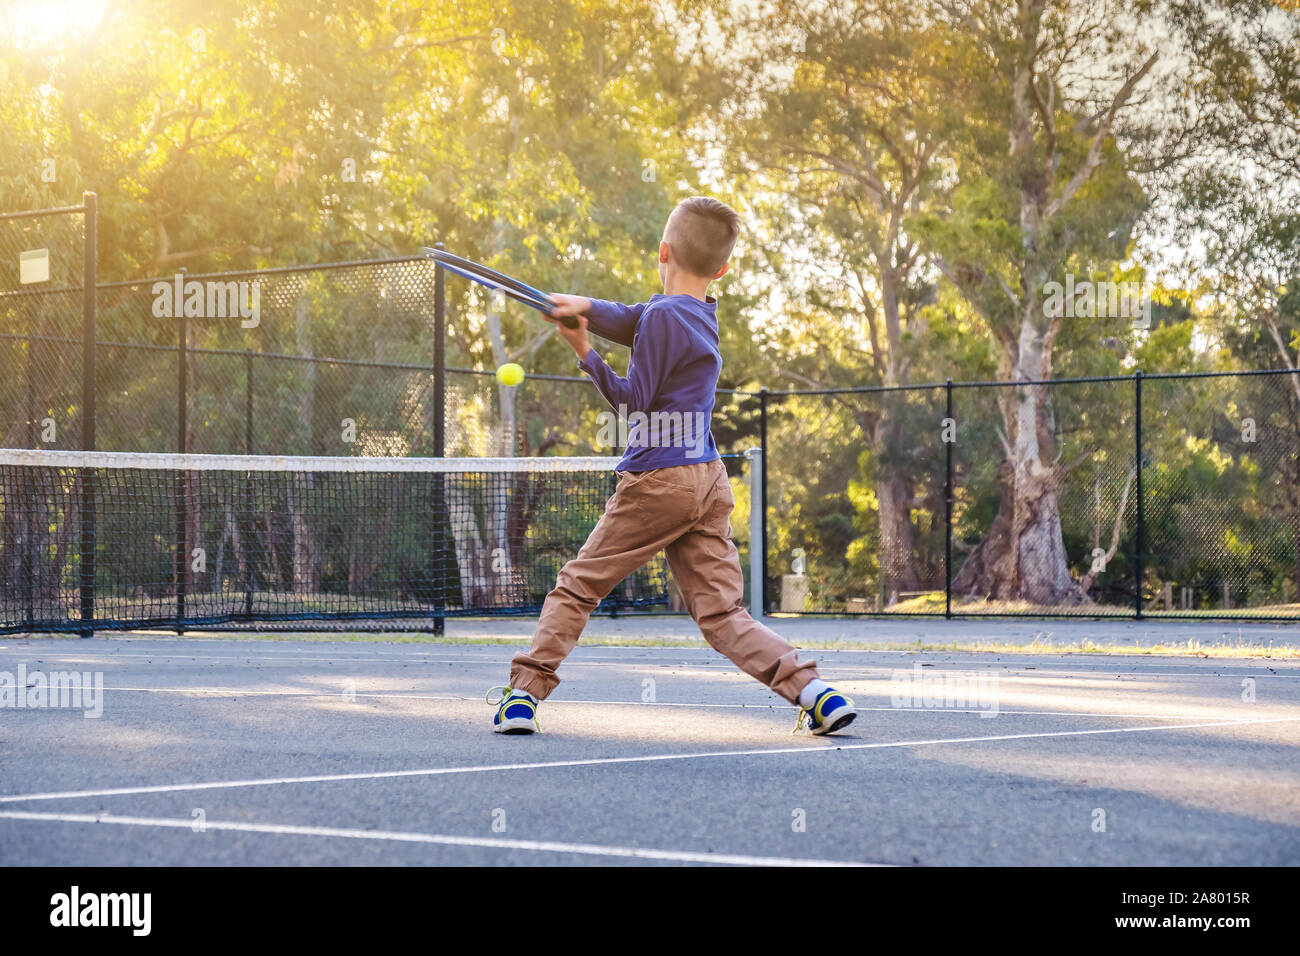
(673, 494)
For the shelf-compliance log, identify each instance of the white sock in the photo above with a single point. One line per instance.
(816, 687)
(523, 693)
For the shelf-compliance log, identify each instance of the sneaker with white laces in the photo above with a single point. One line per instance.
(516, 711)
(829, 714)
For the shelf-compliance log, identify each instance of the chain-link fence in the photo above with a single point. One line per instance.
(1005, 499)
(326, 360)
(335, 360)
(981, 498)
(43, 272)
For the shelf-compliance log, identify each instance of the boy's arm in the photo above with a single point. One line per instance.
(609, 320)
(655, 342)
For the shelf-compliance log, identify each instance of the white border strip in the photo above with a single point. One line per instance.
(830, 746)
(532, 846)
(241, 463)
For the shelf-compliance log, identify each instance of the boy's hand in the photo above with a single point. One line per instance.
(569, 304)
(573, 305)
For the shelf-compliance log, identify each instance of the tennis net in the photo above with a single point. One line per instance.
(103, 540)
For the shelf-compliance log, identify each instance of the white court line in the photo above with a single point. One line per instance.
(605, 761)
(536, 846)
(373, 695)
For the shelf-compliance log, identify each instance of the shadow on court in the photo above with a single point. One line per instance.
(316, 753)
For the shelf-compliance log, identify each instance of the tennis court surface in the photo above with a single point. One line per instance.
(301, 752)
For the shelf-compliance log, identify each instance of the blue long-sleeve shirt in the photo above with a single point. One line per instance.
(664, 407)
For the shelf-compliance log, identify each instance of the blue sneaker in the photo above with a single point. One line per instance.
(516, 711)
(829, 714)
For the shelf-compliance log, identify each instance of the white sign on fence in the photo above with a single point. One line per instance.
(34, 266)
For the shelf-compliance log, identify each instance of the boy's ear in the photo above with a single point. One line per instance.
(723, 271)
(664, 249)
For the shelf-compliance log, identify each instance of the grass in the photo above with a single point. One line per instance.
(933, 603)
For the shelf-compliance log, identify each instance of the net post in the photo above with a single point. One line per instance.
(947, 516)
(182, 427)
(440, 522)
(762, 493)
(755, 458)
(1137, 451)
(89, 317)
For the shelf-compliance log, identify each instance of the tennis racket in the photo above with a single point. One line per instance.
(499, 281)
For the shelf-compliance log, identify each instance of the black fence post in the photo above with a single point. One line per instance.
(29, 399)
(182, 384)
(248, 403)
(947, 498)
(762, 498)
(1141, 529)
(441, 521)
(89, 317)
(182, 427)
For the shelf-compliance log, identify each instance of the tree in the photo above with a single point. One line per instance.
(232, 135)
(1055, 194)
(847, 113)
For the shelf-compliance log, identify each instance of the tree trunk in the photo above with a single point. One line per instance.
(306, 570)
(368, 542)
(272, 555)
(1023, 557)
(893, 496)
(489, 535)
(897, 534)
(232, 531)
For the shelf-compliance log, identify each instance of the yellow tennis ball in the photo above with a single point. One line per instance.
(510, 374)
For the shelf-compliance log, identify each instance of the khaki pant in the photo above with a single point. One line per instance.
(684, 511)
